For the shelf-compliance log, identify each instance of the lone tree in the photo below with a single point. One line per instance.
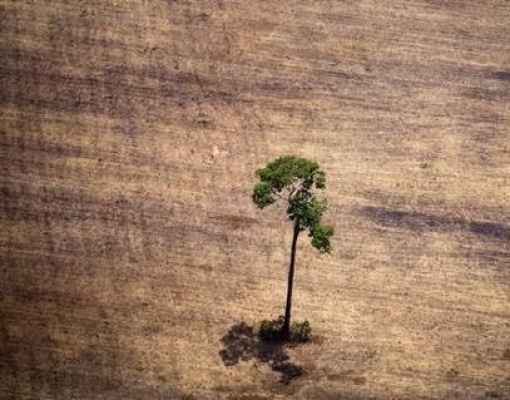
(295, 181)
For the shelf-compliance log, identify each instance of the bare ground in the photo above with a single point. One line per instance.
(130, 132)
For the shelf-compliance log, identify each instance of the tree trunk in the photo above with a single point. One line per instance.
(290, 281)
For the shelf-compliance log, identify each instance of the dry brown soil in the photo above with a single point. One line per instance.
(129, 248)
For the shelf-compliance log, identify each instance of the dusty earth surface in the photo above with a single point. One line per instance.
(133, 264)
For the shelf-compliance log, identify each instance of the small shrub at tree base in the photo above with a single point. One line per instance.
(271, 330)
(300, 332)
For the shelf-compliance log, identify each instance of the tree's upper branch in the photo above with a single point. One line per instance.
(292, 190)
(277, 194)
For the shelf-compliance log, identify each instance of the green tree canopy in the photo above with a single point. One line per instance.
(296, 180)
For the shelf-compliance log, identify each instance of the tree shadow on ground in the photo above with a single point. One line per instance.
(242, 343)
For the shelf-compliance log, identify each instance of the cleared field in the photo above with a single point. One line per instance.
(129, 247)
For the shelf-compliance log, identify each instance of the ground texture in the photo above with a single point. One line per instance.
(132, 262)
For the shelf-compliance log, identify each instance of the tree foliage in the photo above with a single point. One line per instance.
(295, 180)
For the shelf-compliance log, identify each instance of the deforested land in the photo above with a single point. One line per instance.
(131, 253)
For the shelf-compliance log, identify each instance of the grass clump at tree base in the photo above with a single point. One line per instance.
(273, 331)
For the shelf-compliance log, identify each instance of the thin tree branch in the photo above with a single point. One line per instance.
(278, 195)
(291, 191)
